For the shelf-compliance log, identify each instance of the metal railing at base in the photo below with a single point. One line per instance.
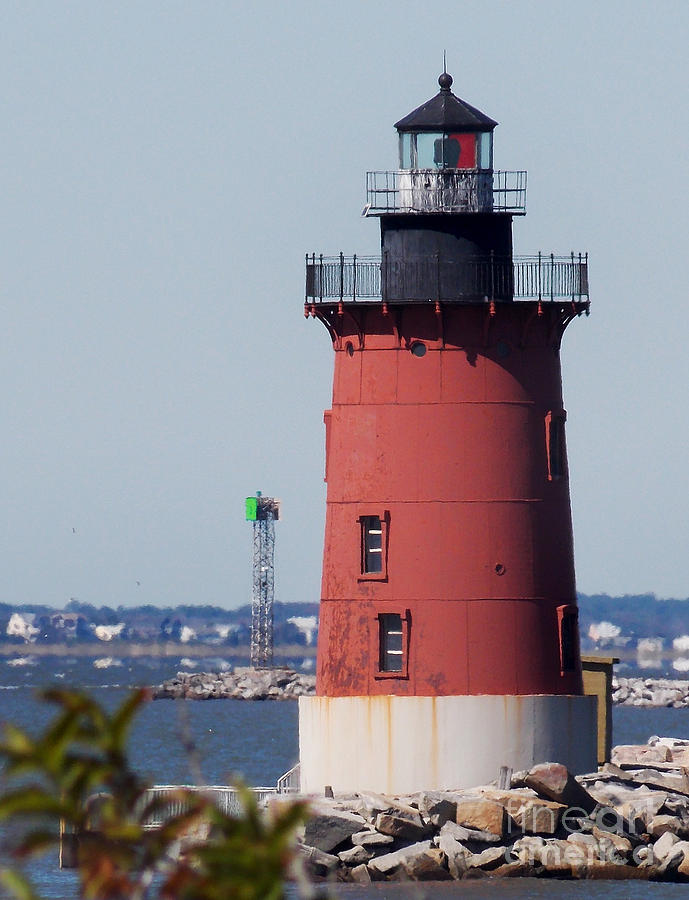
(226, 797)
(290, 782)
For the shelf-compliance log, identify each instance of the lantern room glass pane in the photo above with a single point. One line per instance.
(405, 151)
(448, 151)
(485, 150)
(425, 151)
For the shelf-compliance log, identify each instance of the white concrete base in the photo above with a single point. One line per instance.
(397, 745)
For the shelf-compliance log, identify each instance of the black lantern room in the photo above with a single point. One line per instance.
(446, 133)
(445, 214)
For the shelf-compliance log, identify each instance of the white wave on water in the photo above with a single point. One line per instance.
(106, 662)
(22, 661)
(187, 663)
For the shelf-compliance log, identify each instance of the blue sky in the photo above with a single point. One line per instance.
(165, 166)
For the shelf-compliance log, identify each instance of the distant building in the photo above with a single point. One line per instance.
(22, 626)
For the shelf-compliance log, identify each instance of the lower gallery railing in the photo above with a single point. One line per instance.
(370, 279)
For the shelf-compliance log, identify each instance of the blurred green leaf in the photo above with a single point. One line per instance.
(38, 841)
(30, 801)
(17, 884)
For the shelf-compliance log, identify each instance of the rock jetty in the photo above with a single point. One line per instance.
(284, 684)
(650, 692)
(241, 684)
(630, 820)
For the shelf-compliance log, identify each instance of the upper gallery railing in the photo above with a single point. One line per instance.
(370, 279)
(419, 191)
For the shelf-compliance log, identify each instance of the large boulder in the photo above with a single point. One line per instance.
(664, 845)
(527, 850)
(355, 856)
(554, 782)
(488, 859)
(457, 854)
(327, 828)
(613, 846)
(360, 874)
(370, 805)
(437, 807)
(676, 862)
(383, 866)
(430, 865)
(538, 816)
(318, 862)
(462, 834)
(659, 825)
(633, 754)
(483, 816)
(405, 827)
(371, 840)
(563, 857)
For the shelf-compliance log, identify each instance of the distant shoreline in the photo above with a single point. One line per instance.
(162, 650)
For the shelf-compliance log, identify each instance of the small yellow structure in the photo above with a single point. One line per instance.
(597, 671)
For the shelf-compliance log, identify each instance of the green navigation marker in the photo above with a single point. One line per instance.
(251, 509)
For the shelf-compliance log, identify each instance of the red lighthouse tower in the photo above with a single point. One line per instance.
(448, 640)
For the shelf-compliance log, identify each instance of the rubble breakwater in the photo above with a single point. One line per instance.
(630, 820)
(246, 683)
(243, 683)
(650, 692)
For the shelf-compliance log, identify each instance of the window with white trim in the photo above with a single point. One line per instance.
(391, 642)
(371, 545)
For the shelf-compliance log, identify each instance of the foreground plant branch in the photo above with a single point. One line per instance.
(76, 778)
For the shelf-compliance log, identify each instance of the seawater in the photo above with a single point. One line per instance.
(259, 741)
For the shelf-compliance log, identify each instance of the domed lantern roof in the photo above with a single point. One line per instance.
(446, 112)
(447, 133)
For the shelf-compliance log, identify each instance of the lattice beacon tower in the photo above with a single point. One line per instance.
(448, 640)
(263, 512)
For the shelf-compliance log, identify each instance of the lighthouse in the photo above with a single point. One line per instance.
(448, 643)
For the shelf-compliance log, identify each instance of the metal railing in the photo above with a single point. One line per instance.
(352, 277)
(420, 191)
(226, 798)
(290, 782)
(372, 279)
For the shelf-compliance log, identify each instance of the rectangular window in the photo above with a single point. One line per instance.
(371, 545)
(391, 642)
(568, 619)
(327, 416)
(555, 440)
